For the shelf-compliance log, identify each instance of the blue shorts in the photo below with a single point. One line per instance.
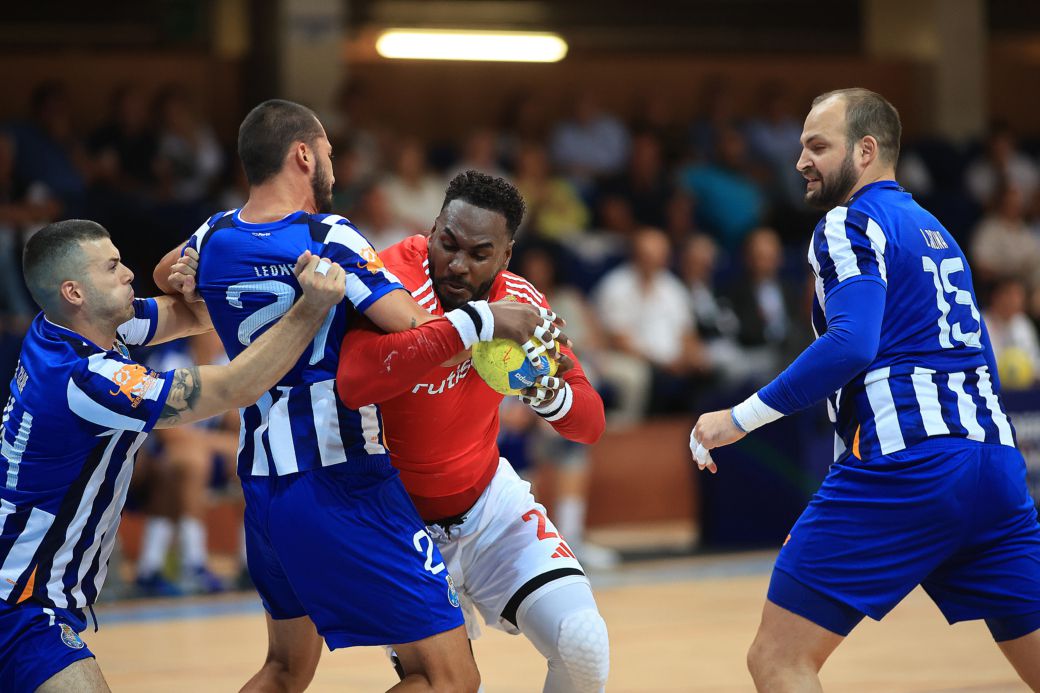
(951, 515)
(345, 546)
(36, 643)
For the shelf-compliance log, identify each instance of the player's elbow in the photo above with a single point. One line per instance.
(856, 359)
(351, 390)
(243, 396)
(591, 433)
(594, 422)
(161, 278)
(863, 351)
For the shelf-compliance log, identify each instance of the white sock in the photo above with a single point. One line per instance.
(155, 542)
(193, 543)
(570, 518)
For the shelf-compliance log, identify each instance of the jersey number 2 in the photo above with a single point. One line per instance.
(543, 533)
(284, 295)
(417, 540)
(952, 314)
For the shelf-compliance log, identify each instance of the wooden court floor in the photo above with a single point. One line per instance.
(675, 626)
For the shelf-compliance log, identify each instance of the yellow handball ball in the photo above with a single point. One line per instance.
(503, 365)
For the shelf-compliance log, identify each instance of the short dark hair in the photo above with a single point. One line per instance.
(267, 133)
(47, 258)
(869, 113)
(488, 192)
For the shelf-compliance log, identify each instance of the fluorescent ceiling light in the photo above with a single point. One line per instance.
(442, 44)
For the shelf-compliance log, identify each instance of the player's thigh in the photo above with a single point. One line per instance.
(82, 676)
(785, 638)
(444, 657)
(516, 553)
(38, 644)
(877, 528)
(1024, 654)
(996, 575)
(294, 644)
(359, 559)
(262, 558)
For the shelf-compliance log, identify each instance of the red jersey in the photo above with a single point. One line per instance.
(442, 430)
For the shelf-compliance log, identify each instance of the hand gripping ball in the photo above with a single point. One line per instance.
(504, 365)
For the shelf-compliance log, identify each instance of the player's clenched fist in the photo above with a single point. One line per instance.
(522, 321)
(324, 282)
(182, 275)
(712, 430)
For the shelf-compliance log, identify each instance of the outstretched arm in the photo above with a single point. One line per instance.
(854, 315)
(375, 367)
(203, 391)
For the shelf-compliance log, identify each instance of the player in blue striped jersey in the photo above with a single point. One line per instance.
(78, 412)
(333, 542)
(927, 486)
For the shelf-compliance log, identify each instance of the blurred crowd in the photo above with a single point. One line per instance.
(674, 246)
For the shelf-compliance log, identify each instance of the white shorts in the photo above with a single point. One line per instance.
(505, 552)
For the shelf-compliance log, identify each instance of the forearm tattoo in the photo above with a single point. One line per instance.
(184, 394)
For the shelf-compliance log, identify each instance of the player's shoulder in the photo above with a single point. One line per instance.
(334, 228)
(411, 250)
(408, 261)
(206, 230)
(52, 346)
(511, 286)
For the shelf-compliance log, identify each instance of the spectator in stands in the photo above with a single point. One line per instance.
(729, 202)
(680, 215)
(190, 159)
(554, 209)
(413, 193)
(351, 181)
(590, 144)
(774, 138)
(717, 114)
(645, 183)
(480, 153)
(49, 153)
(374, 218)
(646, 312)
(21, 211)
(1013, 335)
(523, 120)
(656, 116)
(355, 120)
(125, 147)
(1003, 245)
(182, 472)
(716, 323)
(765, 304)
(1001, 165)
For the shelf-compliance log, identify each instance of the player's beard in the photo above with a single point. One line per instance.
(448, 302)
(836, 190)
(322, 189)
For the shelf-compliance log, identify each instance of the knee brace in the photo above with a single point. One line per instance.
(584, 649)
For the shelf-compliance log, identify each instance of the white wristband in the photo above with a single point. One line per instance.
(753, 412)
(474, 322)
(559, 407)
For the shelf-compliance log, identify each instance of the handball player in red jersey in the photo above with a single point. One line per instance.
(507, 560)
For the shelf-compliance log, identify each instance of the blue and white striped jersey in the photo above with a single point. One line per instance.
(930, 376)
(246, 277)
(75, 419)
